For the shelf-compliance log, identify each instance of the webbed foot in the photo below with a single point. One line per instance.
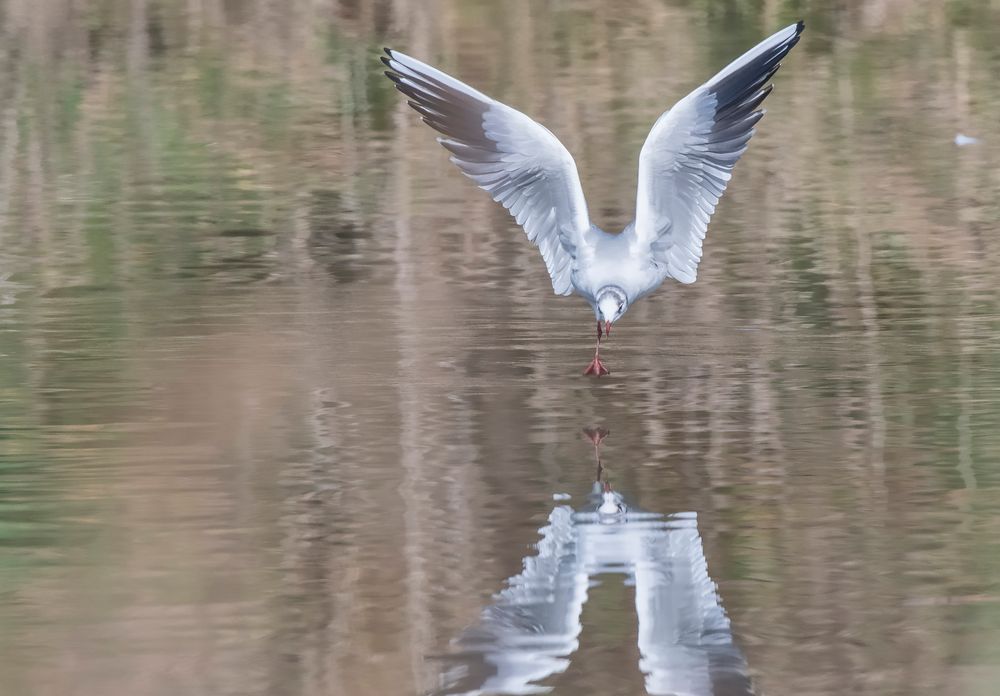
(596, 368)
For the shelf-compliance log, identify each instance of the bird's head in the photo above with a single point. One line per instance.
(612, 303)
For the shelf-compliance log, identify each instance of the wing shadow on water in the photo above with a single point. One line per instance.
(531, 630)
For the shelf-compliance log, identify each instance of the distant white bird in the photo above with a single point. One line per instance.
(684, 166)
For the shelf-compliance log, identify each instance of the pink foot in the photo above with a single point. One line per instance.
(596, 435)
(596, 367)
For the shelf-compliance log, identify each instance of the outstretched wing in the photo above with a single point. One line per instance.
(689, 155)
(517, 160)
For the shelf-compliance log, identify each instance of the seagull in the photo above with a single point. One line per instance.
(684, 167)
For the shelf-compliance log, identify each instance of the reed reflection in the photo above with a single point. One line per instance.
(532, 629)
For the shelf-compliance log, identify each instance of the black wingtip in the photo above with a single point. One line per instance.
(386, 61)
(800, 27)
(397, 80)
(388, 51)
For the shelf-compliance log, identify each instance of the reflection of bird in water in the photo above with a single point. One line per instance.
(684, 167)
(531, 630)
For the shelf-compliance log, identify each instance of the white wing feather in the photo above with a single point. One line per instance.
(688, 157)
(517, 160)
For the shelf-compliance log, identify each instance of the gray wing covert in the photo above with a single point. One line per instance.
(689, 155)
(519, 162)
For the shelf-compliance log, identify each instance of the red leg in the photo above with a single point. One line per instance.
(596, 367)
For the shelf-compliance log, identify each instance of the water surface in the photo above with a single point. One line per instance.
(285, 401)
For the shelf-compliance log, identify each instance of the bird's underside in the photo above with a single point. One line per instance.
(684, 167)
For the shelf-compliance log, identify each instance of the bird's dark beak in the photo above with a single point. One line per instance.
(607, 328)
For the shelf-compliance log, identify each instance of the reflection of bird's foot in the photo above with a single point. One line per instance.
(596, 435)
(596, 367)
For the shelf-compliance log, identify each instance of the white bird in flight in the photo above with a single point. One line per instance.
(684, 167)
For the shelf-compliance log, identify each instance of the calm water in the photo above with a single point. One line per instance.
(287, 406)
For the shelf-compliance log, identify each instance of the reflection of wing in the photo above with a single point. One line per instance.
(689, 155)
(684, 635)
(517, 160)
(532, 627)
(531, 630)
